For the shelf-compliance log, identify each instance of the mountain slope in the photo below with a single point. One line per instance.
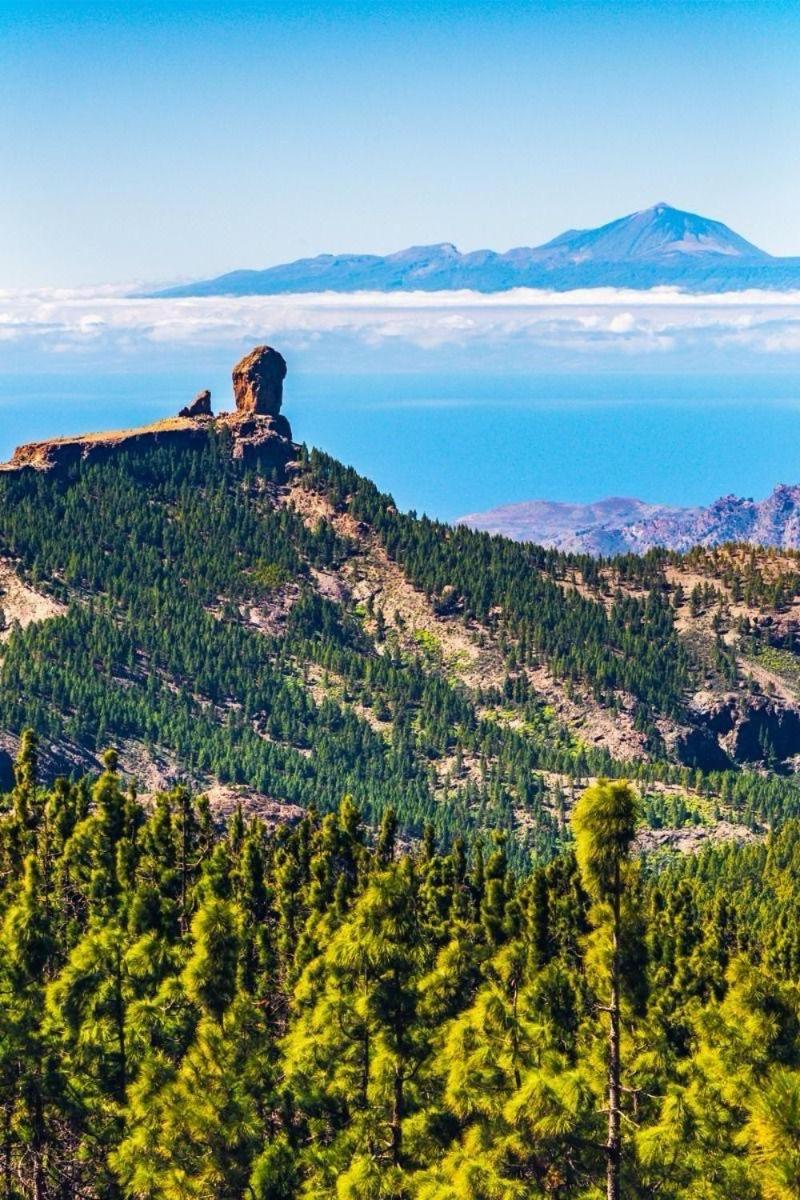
(266, 625)
(619, 526)
(660, 245)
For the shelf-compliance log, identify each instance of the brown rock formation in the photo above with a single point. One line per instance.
(200, 406)
(259, 434)
(60, 453)
(258, 382)
(263, 440)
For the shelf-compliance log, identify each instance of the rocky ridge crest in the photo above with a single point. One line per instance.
(259, 432)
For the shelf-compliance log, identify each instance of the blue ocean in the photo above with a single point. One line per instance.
(452, 444)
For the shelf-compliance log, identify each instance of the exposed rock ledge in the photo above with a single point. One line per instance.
(256, 435)
(738, 728)
(691, 838)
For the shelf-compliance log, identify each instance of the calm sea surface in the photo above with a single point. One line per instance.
(447, 445)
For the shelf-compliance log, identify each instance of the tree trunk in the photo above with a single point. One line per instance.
(515, 1036)
(119, 1021)
(397, 1117)
(614, 1142)
(185, 811)
(38, 1141)
(8, 1142)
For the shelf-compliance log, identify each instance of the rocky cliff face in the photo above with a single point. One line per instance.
(737, 728)
(258, 382)
(620, 526)
(259, 432)
(61, 453)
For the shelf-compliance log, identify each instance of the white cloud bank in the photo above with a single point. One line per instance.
(556, 327)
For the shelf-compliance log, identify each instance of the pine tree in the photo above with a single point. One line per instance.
(604, 825)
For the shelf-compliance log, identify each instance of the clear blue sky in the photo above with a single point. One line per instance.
(152, 141)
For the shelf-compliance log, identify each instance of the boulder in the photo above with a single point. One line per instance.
(200, 406)
(258, 382)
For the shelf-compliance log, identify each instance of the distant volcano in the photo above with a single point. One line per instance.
(659, 246)
(655, 233)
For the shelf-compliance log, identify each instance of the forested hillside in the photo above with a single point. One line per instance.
(239, 1015)
(288, 637)
(320, 874)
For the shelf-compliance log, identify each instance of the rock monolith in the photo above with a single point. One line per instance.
(258, 382)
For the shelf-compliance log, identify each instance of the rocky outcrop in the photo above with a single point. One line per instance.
(224, 801)
(258, 382)
(738, 728)
(200, 406)
(259, 433)
(765, 732)
(61, 453)
(266, 441)
(699, 747)
(689, 839)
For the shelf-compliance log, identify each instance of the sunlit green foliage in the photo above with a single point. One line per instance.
(227, 1014)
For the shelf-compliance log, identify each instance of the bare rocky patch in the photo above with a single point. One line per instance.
(57, 757)
(155, 770)
(372, 581)
(268, 615)
(690, 839)
(20, 604)
(225, 799)
(467, 651)
(596, 727)
(151, 768)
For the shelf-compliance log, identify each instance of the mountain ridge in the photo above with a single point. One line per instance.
(656, 246)
(621, 525)
(262, 617)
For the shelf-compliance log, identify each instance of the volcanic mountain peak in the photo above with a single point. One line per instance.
(652, 233)
(658, 246)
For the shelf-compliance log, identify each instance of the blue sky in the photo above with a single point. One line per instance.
(144, 142)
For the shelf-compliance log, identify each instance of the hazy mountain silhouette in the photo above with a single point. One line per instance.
(658, 246)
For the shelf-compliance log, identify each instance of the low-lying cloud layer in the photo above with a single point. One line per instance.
(520, 327)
